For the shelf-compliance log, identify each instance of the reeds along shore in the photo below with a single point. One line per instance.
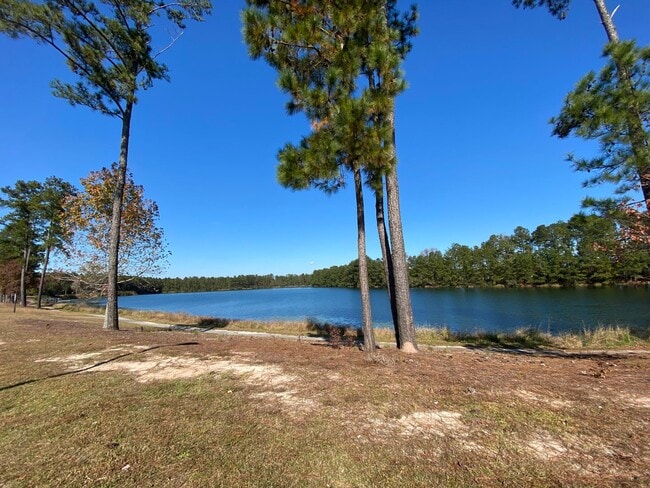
(601, 337)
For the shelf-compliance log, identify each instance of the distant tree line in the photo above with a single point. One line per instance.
(202, 283)
(586, 250)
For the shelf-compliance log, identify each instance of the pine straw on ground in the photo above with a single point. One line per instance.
(80, 406)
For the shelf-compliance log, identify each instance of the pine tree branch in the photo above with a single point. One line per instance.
(120, 12)
(298, 46)
(76, 11)
(169, 46)
(48, 40)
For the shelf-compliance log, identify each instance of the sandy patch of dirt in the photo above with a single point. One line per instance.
(633, 400)
(437, 422)
(165, 368)
(545, 447)
(429, 425)
(159, 367)
(535, 398)
(77, 361)
(586, 455)
(290, 398)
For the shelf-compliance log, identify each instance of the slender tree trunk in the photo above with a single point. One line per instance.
(387, 258)
(23, 276)
(607, 21)
(638, 136)
(368, 332)
(384, 238)
(406, 324)
(111, 319)
(41, 283)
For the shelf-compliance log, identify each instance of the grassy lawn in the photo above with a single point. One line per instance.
(145, 406)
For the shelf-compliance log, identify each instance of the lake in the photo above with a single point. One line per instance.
(551, 310)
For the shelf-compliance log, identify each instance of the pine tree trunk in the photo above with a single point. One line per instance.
(111, 319)
(41, 283)
(607, 21)
(406, 324)
(23, 276)
(384, 238)
(368, 332)
(638, 136)
(387, 258)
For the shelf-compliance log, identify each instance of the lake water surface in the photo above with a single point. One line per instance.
(552, 310)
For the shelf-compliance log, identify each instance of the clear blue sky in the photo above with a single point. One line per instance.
(475, 153)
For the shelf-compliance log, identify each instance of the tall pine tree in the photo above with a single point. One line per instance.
(108, 44)
(53, 197)
(318, 68)
(22, 226)
(338, 63)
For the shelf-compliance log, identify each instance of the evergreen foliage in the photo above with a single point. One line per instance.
(31, 229)
(557, 8)
(193, 284)
(587, 250)
(612, 107)
(21, 229)
(339, 63)
(607, 107)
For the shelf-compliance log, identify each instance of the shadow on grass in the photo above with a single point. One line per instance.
(96, 365)
(529, 338)
(208, 323)
(335, 335)
(214, 323)
(533, 342)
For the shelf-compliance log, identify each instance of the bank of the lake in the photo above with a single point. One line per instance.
(502, 310)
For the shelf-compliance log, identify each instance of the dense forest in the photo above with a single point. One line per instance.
(586, 250)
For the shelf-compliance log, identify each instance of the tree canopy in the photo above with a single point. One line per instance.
(340, 65)
(32, 227)
(612, 107)
(608, 106)
(88, 221)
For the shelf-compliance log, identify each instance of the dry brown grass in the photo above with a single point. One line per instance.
(80, 406)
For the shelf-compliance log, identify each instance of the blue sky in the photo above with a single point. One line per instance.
(475, 152)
